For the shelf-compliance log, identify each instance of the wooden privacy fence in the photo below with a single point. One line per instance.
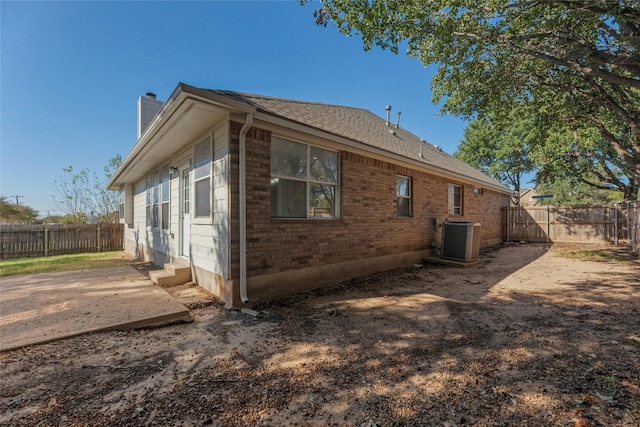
(609, 224)
(34, 240)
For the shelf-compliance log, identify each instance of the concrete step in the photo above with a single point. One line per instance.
(173, 274)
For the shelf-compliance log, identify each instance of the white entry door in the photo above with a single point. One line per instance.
(185, 212)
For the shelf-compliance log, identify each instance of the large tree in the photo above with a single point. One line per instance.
(12, 213)
(501, 148)
(83, 196)
(106, 201)
(581, 158)
(576, 162)
(577, 61)
(566, 191)
(72, 194)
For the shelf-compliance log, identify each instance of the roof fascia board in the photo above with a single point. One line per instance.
(181, 94)
(141, 144)
(376, 152)
(216, 99)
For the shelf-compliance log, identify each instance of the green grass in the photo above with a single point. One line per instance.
(14, 267)
(620, 254)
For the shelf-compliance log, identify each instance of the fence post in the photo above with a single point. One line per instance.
(615, 218)
(46, 239)
(629, 238)
(548, 225)
(99, 249)
(508, 217)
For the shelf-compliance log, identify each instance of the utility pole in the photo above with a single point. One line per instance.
(17, 201)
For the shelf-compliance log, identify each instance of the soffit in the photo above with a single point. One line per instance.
(180, 125)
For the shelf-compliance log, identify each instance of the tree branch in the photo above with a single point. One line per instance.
(589, 71)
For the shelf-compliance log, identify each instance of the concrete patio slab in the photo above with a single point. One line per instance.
(40, 308)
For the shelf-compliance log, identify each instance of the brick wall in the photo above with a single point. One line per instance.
(368, 226)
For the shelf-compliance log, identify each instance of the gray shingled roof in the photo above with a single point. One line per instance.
(363, 126)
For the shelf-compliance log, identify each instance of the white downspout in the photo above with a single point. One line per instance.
(243, 207)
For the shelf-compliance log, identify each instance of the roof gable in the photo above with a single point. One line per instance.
(189, 110)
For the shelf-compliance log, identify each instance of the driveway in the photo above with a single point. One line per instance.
(40, 308)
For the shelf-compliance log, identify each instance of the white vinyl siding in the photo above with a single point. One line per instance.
(202, 179)
(121, 199)
(164, 197)
(135, 231)
(210, 239)
(139, 213)
(174, 211)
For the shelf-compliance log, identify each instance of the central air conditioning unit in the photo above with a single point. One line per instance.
(461, 241)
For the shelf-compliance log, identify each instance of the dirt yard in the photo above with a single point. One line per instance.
(525, 337)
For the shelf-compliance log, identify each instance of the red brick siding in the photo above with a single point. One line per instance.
(368, 226)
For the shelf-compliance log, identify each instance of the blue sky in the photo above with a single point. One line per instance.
(71, 74)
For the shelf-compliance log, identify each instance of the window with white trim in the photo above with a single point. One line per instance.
(164, 199)
(154, 199)
(202, 179)
(455, 199)
(158, 198)
(121, 198)
(149, 196)
(304, 180)
(403, 196)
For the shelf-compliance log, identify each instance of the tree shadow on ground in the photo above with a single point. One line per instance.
(400, 348)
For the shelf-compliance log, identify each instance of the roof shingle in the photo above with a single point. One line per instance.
(362, 126)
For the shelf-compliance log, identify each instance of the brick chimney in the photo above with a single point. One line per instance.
(148, 107)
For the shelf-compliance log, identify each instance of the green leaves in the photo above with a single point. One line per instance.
(578, 166)
(500, 146)
(575, 62)
(81, 195)
(12, 213)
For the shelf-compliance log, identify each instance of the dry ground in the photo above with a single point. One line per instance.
(526, 337)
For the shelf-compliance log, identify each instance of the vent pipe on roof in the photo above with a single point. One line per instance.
(398, 119)
(388, 108)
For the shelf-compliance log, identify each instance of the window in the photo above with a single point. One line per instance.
(186, 193)
(154, 199)
(149, 191)
(121, 203)
(403, 196)
(202, 178)
(164, 208)
(304, 181)
(158, 198)
(455, 199)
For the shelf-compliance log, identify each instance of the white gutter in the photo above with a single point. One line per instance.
(243, 207)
